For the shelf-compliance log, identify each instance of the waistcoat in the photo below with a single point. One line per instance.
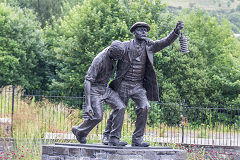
(137, 67)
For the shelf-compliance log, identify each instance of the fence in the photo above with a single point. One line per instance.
(51, 115)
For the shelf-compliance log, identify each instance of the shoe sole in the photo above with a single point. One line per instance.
(74, 130)
(105, 143)
(113, 144)
(140, 145)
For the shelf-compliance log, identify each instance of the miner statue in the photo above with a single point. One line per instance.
(97, 92)
(136, 79)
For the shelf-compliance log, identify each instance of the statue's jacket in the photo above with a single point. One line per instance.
(150, 80)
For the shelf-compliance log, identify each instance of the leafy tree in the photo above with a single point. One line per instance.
(184, 76)
(78, 38)
(210, 72)
(45, 9)
(88, 28)
(22, 49)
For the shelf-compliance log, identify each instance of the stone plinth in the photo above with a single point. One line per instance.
(71, 151)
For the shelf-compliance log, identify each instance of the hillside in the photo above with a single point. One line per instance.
(205, 4)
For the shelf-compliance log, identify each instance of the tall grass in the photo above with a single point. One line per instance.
(34, 121)
(31, 121)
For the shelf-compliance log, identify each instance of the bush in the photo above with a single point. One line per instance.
(22, 50)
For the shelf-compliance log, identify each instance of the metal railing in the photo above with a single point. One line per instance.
(51, 115)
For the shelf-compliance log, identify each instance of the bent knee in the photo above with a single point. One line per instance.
(121, 106)
(145, 108)
(98, 118)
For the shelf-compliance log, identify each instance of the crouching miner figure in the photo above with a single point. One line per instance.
(97, 92)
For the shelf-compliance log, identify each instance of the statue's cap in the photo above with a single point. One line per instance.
(139, 24)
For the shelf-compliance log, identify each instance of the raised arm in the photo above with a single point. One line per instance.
(160, 44)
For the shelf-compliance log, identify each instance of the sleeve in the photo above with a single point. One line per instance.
(160, 44)
(93, 72)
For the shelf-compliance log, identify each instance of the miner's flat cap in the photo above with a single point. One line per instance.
(139, 24)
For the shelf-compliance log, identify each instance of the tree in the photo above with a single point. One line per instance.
(79, 38)
(45, 9)
(88, 28)
(210, 72)
(22, 49)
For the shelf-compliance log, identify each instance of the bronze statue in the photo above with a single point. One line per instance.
(97, 92)
(136, 78)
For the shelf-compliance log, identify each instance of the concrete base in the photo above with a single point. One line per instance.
(72, 151)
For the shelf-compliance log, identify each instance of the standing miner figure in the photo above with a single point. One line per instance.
(136, 78)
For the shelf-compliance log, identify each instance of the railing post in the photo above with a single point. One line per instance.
(13, 94)
(183, 119)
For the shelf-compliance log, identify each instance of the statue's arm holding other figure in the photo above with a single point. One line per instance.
(156, 46)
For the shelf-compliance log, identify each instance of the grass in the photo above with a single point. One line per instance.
(33, 119)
